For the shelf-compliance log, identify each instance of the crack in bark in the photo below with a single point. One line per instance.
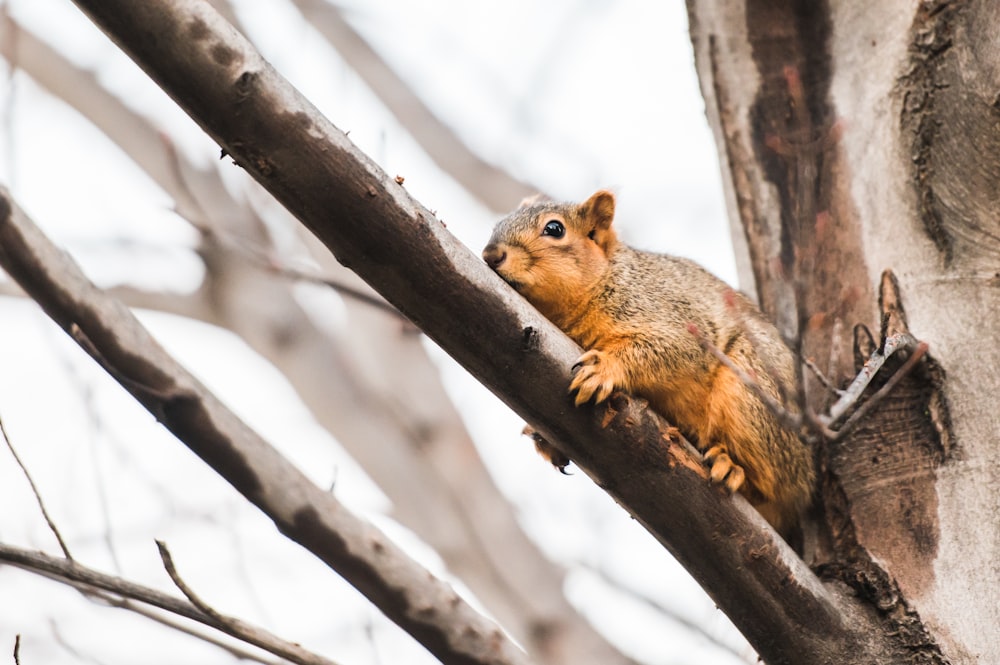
(932, 39)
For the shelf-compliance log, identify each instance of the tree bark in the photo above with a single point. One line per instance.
(374, 227)
(855, 138)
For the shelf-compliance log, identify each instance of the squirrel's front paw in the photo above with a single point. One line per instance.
(723, 470)
(597, 375)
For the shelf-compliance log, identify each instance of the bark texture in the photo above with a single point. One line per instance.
(856, 138)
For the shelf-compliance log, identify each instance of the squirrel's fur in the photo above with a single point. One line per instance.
(641, 317)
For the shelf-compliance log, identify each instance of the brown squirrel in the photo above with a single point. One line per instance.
(641, 318)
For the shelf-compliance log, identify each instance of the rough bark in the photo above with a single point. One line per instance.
(425, 457)
(891, 130)
(374, 227)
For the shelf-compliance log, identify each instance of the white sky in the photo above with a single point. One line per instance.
(570, 95)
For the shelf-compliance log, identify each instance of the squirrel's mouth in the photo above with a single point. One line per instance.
(511, 281)
(516, 285)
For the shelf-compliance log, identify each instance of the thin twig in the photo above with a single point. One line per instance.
(109, 599)
(641, 597)
(372, 642)
(38, 496)
(893, 381)
(168, 564)
(821, 377)
(343, 289)
(853, 393)
(85, 389)
(266, 260)
(69, 571)
(787, 418)
(231, 648)
(229, 625)
(821, 424)
(17, 649)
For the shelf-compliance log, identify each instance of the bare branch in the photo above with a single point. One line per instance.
(166, 621)
(874, 400)
(820, 376)
(168, 565)
(790, 420)
(17, 649)
(69, 571)
(853, 392)
(268, 261)
(34, 489)
(296, 274)
(121, 601)
(426, 607)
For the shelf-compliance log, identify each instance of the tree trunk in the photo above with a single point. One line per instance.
(858, 137)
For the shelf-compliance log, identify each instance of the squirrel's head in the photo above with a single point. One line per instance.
(552, 253)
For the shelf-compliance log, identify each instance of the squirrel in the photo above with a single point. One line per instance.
(647, 322)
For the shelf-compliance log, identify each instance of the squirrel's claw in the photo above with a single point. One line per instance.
(552, 454)
(595, 377)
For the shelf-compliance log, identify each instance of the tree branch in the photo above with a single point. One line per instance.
(427, 608)
(374, 227)
(165, 620)
(76, 574)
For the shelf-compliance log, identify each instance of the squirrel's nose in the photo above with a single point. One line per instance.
(494, 256)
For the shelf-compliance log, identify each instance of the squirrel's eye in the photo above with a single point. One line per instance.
(554, 229)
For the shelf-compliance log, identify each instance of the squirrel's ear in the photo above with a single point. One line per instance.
(600, 209)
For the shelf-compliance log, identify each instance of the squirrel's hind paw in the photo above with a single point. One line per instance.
(553, 455)
(723, 470)
(597, 375)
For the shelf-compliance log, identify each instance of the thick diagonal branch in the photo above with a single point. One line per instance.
(374, 227)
